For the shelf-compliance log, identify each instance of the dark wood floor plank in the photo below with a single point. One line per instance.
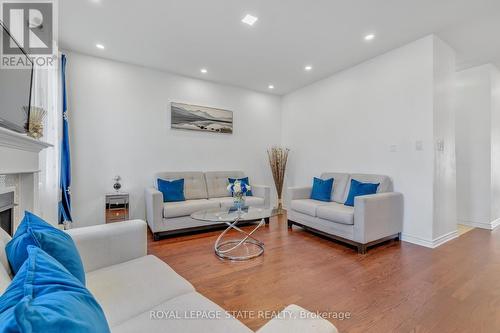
(396, 287)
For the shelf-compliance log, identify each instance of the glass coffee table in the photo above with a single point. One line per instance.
(246, 247)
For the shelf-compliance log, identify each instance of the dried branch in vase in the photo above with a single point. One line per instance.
(278, 158)
(34, 125)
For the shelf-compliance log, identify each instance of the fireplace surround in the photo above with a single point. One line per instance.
(7, 212)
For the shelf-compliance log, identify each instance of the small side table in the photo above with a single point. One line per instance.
(117, 207)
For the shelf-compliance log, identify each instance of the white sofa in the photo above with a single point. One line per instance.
(202, 191)
(373, 219)
(135, 289)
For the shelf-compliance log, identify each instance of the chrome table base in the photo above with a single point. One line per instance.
(223, 249)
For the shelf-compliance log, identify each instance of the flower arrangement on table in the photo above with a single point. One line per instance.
(239, 190)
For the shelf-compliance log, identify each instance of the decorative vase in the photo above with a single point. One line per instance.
(239, 202)
(278, 158)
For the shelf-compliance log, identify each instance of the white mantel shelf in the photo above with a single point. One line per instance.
(11, 139)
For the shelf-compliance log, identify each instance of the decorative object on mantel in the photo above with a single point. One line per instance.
(201, 118)
(278, 158)
(238, 189)
(117, 186)
(34, 125)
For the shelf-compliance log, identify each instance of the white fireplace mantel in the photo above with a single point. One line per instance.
(19, 153)
(19, 159)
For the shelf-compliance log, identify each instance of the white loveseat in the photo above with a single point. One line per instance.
(373, 219)
(139, 292)
(202, 190)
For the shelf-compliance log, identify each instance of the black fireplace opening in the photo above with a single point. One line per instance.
(6, 220)
(7, 212)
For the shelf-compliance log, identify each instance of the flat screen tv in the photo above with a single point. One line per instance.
(15, 88)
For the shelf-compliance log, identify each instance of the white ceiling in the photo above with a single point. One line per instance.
(183, 36)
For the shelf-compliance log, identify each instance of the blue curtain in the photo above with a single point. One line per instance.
(65, 181)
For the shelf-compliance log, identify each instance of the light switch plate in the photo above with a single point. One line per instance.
(440, 145)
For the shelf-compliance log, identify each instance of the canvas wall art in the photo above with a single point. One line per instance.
(201, 118)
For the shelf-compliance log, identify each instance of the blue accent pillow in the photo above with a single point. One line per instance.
(58, 244)
(322, 189)
(358, 189)
(173, 190)
(243, 181)
(45, 297)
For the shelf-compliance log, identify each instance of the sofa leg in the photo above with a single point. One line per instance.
(266, 220)
(156, 237)
(398, 238)
(361, 249)
(290, 224)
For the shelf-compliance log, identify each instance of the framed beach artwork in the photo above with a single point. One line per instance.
(201, 118)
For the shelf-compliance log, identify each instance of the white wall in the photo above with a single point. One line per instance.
(120, 125)
(478, 146)
(445, 176)
(473, 137)
(349, 121)
(495, 146)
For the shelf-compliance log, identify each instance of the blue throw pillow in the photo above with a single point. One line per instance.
(322, 189)
(358, 189)
(173, 190)
(243, 181)
(45, 297)
(58, 244)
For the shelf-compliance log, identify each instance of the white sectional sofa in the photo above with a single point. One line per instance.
(373, 219)
(139, 292)
(202, 191)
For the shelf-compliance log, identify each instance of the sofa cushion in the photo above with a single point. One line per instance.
(5, 279)
(195, 186)
(307, 206)
(297, 320)
(187, 313)
(4, 239)
(131, 288)
(322, 189)
(340, 180)
(359, 189)
(228, 202)
(384, 181)
(35, 231)
(172, 190)
(217, 182)
(186, 208)
(45, 297)
(336, 212)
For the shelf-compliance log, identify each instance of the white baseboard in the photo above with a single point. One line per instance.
(488, 226)
(430, 243)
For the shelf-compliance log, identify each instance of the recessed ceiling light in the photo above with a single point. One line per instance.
(308, 68)
(249, 19)
(369, 37)
(204, 70)
(270, 86)
(99, 46)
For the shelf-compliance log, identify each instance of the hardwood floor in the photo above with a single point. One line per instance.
(396, 287)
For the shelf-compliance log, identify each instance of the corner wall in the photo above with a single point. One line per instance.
(478, 146)
(384, 116)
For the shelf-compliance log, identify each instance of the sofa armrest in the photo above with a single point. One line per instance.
(110, 244)
(294, 319)
(154, 208)
(377, 216)
(264, 192)
(295, 193)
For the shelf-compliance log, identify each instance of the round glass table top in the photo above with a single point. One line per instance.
(232, 213)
